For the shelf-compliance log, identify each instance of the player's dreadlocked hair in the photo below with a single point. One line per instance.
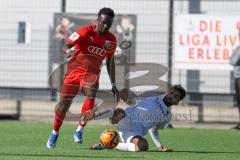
(107, 11)
(180, 89)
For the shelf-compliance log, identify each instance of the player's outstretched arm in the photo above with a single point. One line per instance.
(156, 139)
(108, 113)
(164, 149)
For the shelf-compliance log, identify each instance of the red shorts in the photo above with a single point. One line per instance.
(77, 78)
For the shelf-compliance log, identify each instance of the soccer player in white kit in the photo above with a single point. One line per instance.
(147, 116)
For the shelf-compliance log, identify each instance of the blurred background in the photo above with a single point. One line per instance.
(185, 42)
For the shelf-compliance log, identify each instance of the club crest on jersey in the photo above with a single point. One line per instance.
(96, 50)
(109, 45)
(74, 36)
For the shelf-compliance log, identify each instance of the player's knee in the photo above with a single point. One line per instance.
(90, 90)
(118, 115)
(141, 143)
(66, 98)
(64, 104)
(65, 101)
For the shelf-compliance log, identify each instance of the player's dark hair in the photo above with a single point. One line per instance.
(143, 145)
(107, 11)
(140, 142)
(180, 89)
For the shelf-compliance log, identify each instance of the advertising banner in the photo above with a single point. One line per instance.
(205, 41)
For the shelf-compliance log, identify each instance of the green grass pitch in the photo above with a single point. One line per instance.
(22, 141)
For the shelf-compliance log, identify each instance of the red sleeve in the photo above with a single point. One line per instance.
(112, 47)
(78, 35)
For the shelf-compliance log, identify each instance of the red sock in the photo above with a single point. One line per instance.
(58, 120)
(88, 104)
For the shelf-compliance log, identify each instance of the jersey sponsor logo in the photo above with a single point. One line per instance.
(109, 45)
(96, 50)
(74, 36)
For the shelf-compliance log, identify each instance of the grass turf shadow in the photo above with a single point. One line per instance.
(192, 151)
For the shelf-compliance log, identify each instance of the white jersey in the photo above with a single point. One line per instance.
(148, 115)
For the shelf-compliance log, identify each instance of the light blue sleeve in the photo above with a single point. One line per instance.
(155, 136)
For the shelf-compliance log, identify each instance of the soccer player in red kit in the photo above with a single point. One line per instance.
(87, 46)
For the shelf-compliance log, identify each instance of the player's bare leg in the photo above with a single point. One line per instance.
(66, 97)
(68, 92)
(116, 114)
(64, 104)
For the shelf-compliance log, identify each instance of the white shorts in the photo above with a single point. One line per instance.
(126, 136)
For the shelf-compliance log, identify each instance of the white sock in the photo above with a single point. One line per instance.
(79, 128)
(126, 147)
(54, 132)
(104, 114)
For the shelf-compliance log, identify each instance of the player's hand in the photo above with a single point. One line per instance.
(128, 96)
(164, 149)
(115, 93)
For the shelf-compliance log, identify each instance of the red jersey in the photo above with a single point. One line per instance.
(90, 49)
